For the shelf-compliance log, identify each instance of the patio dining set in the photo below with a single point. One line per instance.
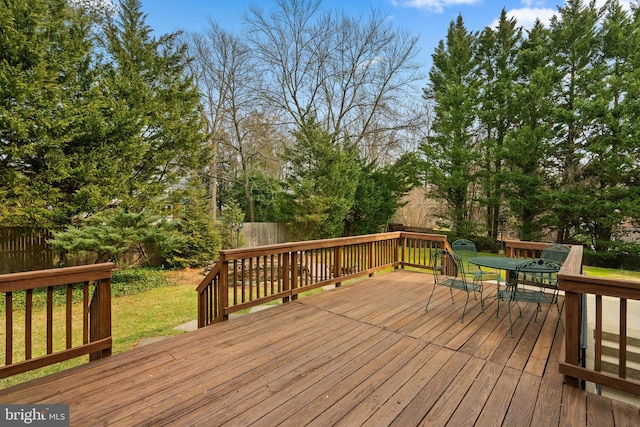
(517, 280)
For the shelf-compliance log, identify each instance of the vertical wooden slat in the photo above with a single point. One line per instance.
(242, 278)
(85, 313)
(49, 319)
(69, 317)
(28, 329)
(622, 352)
(295, 273)
(597, 364)
(224, 288)
(8, 304)
(286, 273)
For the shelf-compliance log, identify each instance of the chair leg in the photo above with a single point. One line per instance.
(430, 296)
(451, 292)
(465, 307)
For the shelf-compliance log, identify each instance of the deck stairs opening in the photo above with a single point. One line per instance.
(610, 349)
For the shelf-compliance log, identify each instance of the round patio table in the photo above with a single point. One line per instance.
(498, 262)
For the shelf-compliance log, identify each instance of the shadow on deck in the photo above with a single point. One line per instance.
(362, 354)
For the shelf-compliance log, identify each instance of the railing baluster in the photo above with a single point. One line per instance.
(9, 328)
(69, 316)
(49, 319)
(622, 352)
(597, 365)
(28, 324)
(85, 312)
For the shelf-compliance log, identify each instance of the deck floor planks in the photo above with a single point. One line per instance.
(363, 410)
(163, 378)
(371, 358)
(540, 355)
(625, 415)
(221, 380)
(252, 385)
(430, 393)
(520, 412)
(526, 343)
(547, 411)
(599, 411)
(342, 406)
(275, 390)
(574, 407)
(475, 399)
(396, 403)
(496, 406)
(444, 408)
(335, 396)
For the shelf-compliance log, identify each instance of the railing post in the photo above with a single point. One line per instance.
(286, 274)
(100, 312)
(224, 289)
(295, 272)
(337, 264)
(371, 255)
(573, 317)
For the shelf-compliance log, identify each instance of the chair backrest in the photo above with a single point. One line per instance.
(556, 252)
(464, 248)
(446, 263)
(537, 271)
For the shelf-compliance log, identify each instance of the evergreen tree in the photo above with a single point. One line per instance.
(322, 181)
(46, 97)
(610, 195)
(153, 123)
(498, 52)
(379, 194)
(451, 151)
(527, 144)
(578, 61)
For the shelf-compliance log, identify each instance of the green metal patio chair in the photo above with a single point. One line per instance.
(449, 270)
(466, 249)
(556, 252)
(528, 288)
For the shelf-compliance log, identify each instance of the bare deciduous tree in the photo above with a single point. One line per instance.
(354, 74)
(240, 134)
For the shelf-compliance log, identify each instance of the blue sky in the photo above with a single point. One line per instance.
(428, 19)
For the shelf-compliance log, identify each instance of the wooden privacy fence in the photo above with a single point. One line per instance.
(23, 249)
(85, 325)
(245, 278)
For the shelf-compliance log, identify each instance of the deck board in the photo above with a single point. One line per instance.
(366, 353)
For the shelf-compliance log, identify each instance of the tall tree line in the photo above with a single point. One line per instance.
(540, 126)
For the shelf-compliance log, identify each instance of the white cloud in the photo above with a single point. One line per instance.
(432, 5)
(527, 16)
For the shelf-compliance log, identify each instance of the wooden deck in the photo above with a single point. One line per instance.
(362, 354)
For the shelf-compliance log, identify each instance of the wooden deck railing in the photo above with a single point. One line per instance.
(245, 278)
(86, 332)
(577, 287)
